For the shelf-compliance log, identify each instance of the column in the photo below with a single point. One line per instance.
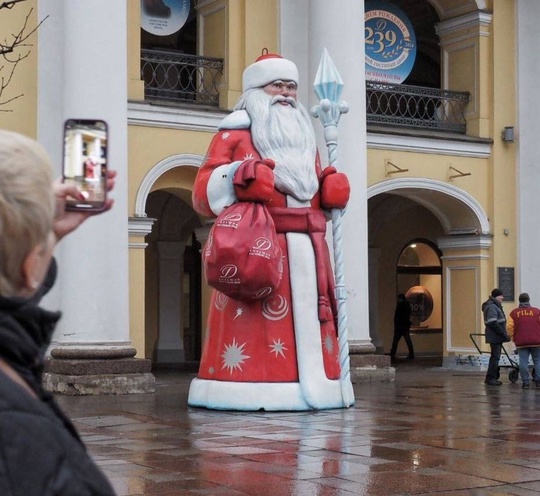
(92, 352)
(528, 129)
(298, 38)
(324, 16)
(139, 228)
(170, 345)
(374, 255)
(202, 233)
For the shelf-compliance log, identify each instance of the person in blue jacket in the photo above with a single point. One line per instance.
(496, 335)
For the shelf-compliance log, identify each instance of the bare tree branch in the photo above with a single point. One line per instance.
(10, 4)
(14, 50)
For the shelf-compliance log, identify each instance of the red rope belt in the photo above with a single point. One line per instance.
(312, 222)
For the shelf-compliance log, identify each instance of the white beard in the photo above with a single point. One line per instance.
(284, 134)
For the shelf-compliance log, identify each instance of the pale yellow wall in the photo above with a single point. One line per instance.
(237, 30)
(433, 283)
(180, 180)
(433, 166)
(465, 80)
(148, 146)
(463, 284)
(453, 8)
(235, 61)
(149, 302)
(503, 211)
(135, 84)
(466, 56)
(136, 294)
(213, 43)
(262, 28)
(20, 115)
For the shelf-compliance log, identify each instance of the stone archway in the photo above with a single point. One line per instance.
(448, 9)
(180, 160)
(458, 211)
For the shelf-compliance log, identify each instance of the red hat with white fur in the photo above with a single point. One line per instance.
(267, 68)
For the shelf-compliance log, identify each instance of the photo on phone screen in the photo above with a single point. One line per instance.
(85, 162)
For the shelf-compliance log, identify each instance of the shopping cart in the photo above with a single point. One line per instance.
(513, 375)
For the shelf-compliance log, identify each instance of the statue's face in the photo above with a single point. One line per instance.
(284, 88)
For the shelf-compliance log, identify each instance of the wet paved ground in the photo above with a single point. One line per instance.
(431, 432)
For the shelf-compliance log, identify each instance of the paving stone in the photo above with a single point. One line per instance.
(430, 432)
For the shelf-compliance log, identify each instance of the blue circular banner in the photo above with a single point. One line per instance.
(164, 17)
(390, 43)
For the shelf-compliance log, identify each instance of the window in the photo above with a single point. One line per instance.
(419, 278)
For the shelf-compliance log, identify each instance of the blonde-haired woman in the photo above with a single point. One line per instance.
(40, 450)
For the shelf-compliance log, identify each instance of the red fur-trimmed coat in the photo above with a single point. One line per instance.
(280, 339)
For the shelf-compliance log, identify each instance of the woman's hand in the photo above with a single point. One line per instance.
(66, 221)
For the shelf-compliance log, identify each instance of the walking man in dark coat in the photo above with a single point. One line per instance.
(402, 326)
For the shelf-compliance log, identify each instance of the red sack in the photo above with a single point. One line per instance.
(242, 257)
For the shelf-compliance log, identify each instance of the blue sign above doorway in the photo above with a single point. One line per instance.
(390, 43)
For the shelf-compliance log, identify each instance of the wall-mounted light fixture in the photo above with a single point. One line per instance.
(459, 173)
(396, 170)
(508, 134)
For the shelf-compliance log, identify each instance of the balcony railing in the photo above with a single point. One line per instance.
(415, 106)
(177, 77)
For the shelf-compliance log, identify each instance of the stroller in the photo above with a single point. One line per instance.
(513, 375)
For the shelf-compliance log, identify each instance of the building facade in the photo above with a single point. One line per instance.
(441, 163)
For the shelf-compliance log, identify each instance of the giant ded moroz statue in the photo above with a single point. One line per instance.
(279, 351)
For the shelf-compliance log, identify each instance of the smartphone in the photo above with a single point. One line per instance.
(85, 162)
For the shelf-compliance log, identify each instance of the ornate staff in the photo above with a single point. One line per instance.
(328, 86)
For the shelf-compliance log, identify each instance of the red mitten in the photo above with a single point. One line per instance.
(335, 189)
(254, 180)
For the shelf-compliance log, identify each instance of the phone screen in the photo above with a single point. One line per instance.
(85, 162)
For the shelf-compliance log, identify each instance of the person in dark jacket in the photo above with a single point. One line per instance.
(41, 453)
(496, 335)
(402, 326)
(523, 327)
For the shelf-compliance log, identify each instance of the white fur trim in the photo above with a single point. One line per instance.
(239, 119)
(220, 189)
(314, 391)
(318, 391)
(246, 396)
(265, 71)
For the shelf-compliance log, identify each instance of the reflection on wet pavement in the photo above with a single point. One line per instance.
(431, 432)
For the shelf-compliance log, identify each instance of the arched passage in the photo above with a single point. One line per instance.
(401, 211)
(457, 211)
(170, 265)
